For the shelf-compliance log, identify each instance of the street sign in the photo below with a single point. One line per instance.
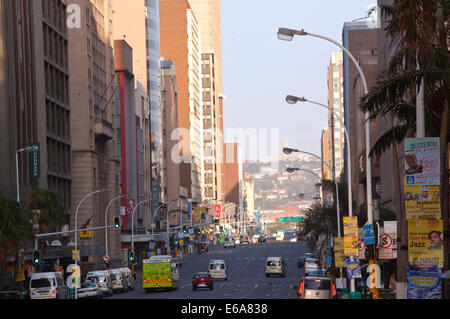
(76, 254)
(35, 160)
(106, 258)
(369, 234)
(386, 241)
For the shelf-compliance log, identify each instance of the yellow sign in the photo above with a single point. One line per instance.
(422, 202)
(86, 234)
(197, 213)
(75, 254)
(425, 241)
(20, 274)
(351, 226)
(339, 256)
(351, 246)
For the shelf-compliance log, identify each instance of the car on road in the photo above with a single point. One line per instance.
(218, 269)
(229, 242)
(48, 285)
(243, 239)
(311, 264)
(202, 280)
(319, 273)
(89, 289)
(275, 266)
(262, 238)
(119, 280)
(316, 287)
(301, 260)
(103, 280)
(280, 236)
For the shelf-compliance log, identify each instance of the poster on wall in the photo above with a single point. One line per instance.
(353, 268)
(422, 161)
(423, 283)
(425, 241)
(422, 202)
(339, 256)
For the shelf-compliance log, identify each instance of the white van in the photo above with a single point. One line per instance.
(103, 279)
(229, 242)
(48, 285)
(119, 280)
(275, 266)
(218, 269)
(130, 280)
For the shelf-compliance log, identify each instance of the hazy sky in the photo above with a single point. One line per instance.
(259, 70)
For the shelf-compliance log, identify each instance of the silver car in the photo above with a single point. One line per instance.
(311, 264)
(89, 289)
(316, 287)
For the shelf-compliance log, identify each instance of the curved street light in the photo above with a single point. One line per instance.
(106, 220)
(291, 99)
(132, 220)
(287, 34)
(288, 151)
(76, 212)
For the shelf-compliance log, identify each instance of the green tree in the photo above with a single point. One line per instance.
(16, 227)
(419, 33)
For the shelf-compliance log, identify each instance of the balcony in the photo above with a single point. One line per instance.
(104, 130)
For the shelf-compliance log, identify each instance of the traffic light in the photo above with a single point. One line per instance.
(131, 255)
(184, 230)
(176, 241)
(117, 222)
(36, 257)
(216, 221)
(199, 231)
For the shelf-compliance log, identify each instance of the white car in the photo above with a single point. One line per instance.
(89, 289)
(229, 242)
(311, 265)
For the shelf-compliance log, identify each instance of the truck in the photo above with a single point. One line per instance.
(160, 272)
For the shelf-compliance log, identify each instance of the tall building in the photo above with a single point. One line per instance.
(95, 164)
(361, 39)
(326, 154)
(143, 36)
(336, 101)
(208, 13)
(180, 42)
(233, 174)
(34, 96)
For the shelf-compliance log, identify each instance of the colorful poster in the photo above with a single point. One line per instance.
(422, 202)
(369, 234)
(424, 283)
(351, 246)
(422, 161)
(425, 241)
(353, 268)
(351, 226)
(339, 256)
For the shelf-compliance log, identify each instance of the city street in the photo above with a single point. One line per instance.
(246, 280)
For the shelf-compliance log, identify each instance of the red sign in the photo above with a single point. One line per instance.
(218, 211)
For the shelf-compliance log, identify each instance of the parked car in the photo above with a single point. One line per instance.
(202, 280)
(310, 265)
(103, 280)
(119, 281)
(262, 238)
(130, 280)
(301, 260)
(316, 287)
(48, 285)
(275, 266)
(89, 289)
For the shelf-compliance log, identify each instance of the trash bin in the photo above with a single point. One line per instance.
(343, 294)
(355, 295)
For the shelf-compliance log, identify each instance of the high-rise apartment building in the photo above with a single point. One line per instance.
(95, 165)
(143, 36)
(208, 13)
(361, 39)
(336, 101)
(180, 42)
(34, 99)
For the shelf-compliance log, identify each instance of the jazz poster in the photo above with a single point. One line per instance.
(422, 161)
(422, 202)
(425, 241)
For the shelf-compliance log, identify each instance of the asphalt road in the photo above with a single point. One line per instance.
(246, 276)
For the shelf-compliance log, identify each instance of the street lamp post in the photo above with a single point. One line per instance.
(132, 220)
(26, 149)
(292, 100)
(288, 151)
(287, 35)
(76, 212)
(106, 220)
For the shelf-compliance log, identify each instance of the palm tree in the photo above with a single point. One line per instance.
(16, 227)
(419, 32)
